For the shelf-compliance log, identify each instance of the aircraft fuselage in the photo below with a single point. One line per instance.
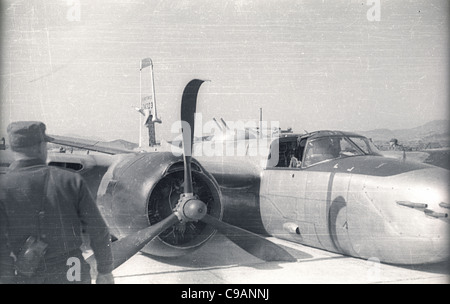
(356, 203)
(395, 217)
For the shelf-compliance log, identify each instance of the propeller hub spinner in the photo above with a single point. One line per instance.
(190, 208)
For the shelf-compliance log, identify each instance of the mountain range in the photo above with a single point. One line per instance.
(434, 134)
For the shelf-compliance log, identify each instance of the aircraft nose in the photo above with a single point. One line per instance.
(421, 211)
(425, 190)
(408, 213)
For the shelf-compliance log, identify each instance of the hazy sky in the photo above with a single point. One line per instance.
(312, 64)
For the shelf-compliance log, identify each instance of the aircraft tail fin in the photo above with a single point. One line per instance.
(148, 105)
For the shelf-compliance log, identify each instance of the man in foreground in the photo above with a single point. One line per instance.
(42, 213)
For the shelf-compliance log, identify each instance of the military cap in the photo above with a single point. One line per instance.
(24, 134)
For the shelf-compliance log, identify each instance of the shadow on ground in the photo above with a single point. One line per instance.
(232, 255)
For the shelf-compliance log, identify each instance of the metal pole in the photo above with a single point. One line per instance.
(225, 124)
(260, 122)
(155, 117)
(218, 125)
(140, 102)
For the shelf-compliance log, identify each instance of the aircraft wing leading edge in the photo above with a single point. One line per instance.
(91, 145)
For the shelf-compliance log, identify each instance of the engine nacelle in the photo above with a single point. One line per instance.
(140, 190)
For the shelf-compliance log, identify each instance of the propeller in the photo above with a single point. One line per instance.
(250, 242)
(188, 109)
(128, 246)
(190, 208)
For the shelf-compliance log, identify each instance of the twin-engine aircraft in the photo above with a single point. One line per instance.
(328, 189)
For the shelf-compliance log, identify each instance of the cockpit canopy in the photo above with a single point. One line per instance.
(303, 151)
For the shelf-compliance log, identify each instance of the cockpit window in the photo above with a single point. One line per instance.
(365, 145)
(361, 144)
(333, 147)
(349, 148)
(322, 149)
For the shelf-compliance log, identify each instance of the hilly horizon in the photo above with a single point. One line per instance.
(436, 132)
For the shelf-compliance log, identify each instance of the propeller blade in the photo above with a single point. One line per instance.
(188, 109)
(250, 242)
(128, 246)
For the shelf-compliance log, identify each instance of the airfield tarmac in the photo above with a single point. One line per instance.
(222, 262)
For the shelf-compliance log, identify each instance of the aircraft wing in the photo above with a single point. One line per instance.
(92, 145)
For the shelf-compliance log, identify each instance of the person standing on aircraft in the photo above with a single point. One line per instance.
(43, 210)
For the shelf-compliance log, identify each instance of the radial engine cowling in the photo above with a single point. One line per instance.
(141, 190)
